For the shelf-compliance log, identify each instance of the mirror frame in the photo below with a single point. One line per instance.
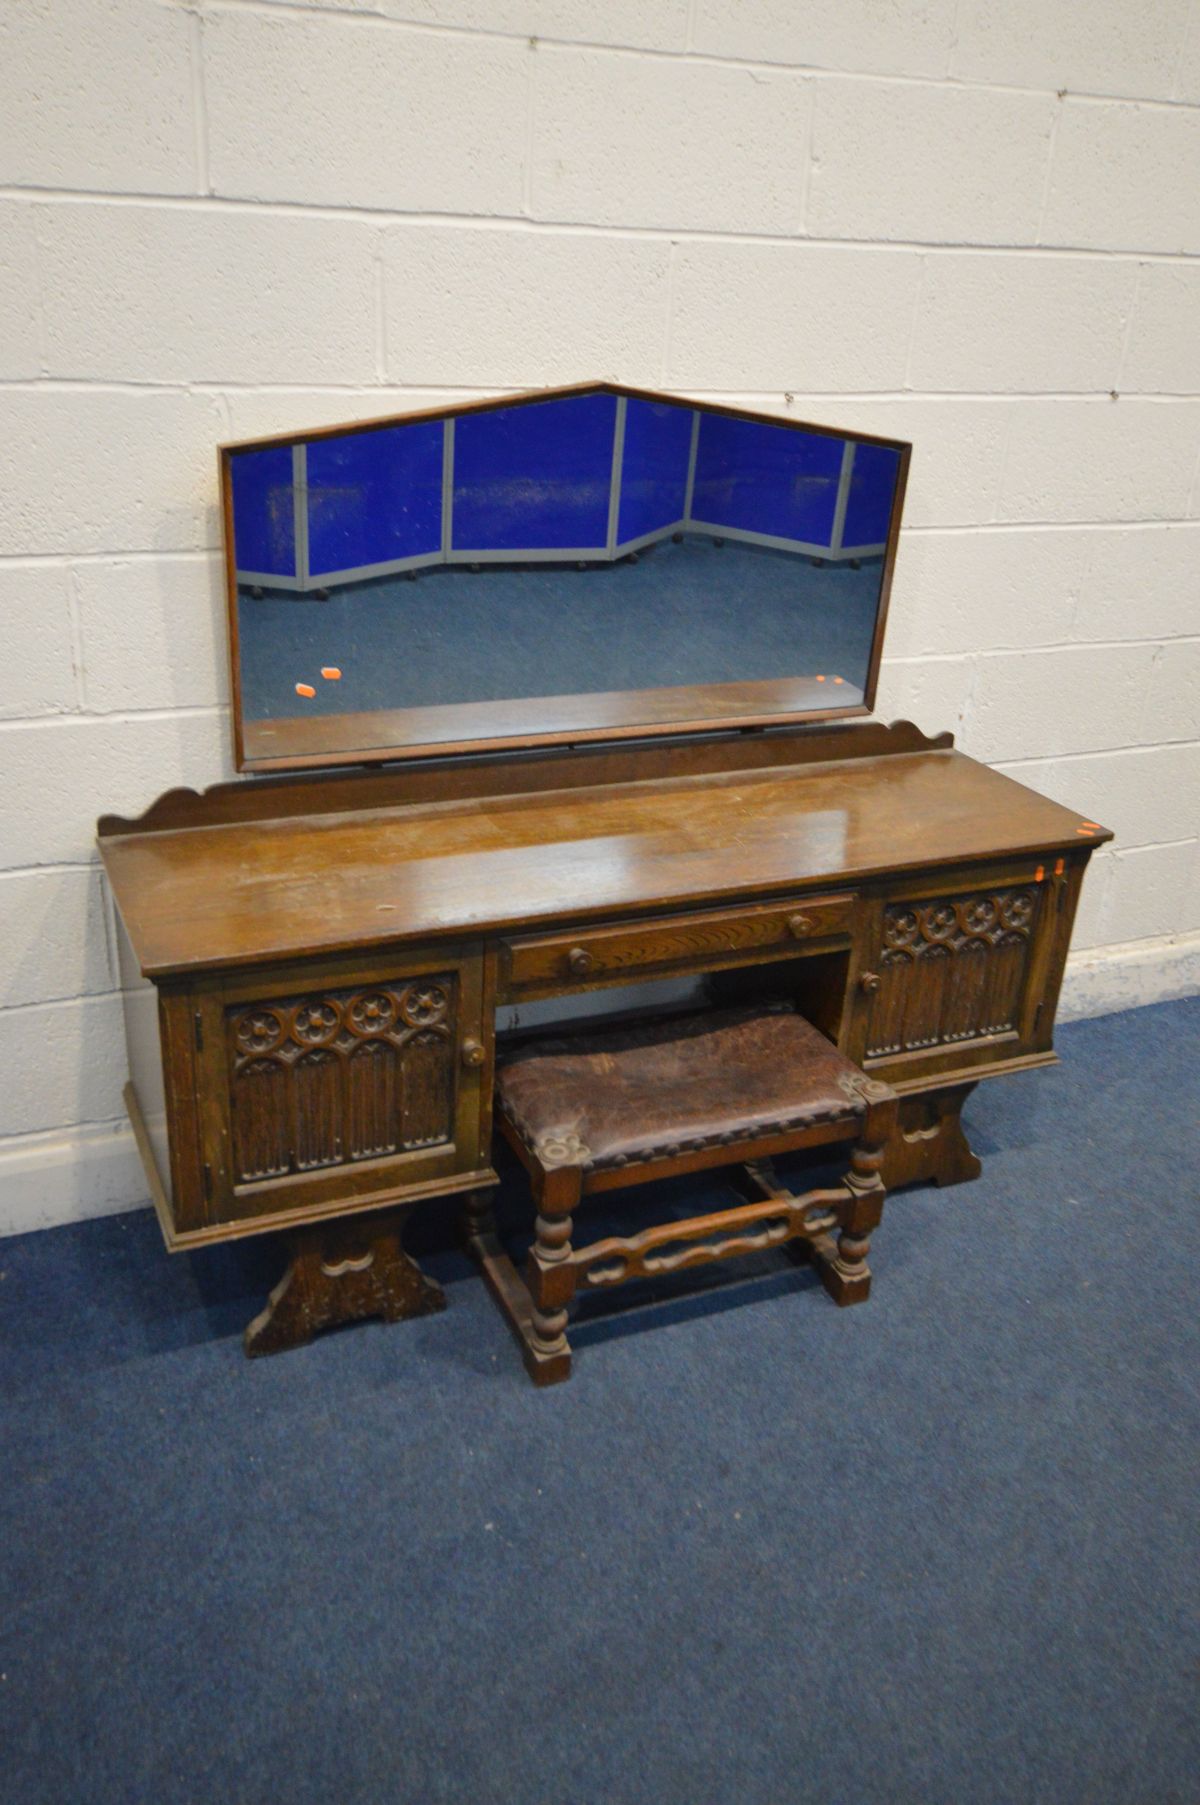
(693, 720)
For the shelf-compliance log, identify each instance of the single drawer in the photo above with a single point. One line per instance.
(543, 964)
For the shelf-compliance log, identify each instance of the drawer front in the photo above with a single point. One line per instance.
(548, 964)
(342, 1089)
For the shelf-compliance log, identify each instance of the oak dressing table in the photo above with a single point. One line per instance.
(313, 963)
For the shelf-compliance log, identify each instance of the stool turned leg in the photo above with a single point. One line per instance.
(846, 1276)
(550, 1275)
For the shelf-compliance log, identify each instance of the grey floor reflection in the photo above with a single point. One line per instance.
(684, 614)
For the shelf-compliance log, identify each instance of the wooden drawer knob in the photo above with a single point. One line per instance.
(869, 982)
(800, 925)
(472, 1053)
(580, 961)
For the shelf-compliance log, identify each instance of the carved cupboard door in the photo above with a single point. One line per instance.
(342, 1083)
(956, 976)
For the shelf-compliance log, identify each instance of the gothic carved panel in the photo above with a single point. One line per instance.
(346, 1075)
(951, 969)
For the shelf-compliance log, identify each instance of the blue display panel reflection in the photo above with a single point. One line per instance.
(655, 462)
(767, 481)
(264, 513)
(374, 499)
(535, 478)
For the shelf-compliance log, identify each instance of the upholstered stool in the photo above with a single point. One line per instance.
(625, 1105)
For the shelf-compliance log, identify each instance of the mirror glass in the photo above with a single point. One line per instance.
(584, 563)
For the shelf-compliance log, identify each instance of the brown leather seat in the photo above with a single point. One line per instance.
(603, 1099)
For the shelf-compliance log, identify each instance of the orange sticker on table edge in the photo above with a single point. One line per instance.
(305, 689)
(1058, 868)
(1039, 874)
(331, 673)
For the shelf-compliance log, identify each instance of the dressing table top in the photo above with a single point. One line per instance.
(251, 873)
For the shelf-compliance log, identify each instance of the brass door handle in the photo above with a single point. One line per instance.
(473, 1053)
(580, 961)
(800, 925)
(869, 982)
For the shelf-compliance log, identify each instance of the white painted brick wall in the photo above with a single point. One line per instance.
(860, 35)
(941, 164)
(20, 349)
(98, 469)
(1096, 459)
(1125, 177)
(171, 295)
(746, 314)
(64, 1064)
(151, 633)
(1143, 583)
(1187, 85)
(1163, 352)
(359, 112)
(98, 97)
(52, 931)
(966, 223)
(548, 306)
(1060, 323)
(1127, 50)
(618, 139)
(35, 608)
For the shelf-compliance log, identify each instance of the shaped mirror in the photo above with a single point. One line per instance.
(575, 564)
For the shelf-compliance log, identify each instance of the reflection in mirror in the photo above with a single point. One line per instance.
(579, 563)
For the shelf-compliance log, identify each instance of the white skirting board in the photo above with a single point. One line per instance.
(93, 1170)
(49, 1179)
(1102, 980)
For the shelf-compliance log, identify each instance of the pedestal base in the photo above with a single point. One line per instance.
(928, 1144)
(343, 1272)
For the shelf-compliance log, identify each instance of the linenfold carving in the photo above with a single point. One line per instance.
(347, 1075)
(951, 969)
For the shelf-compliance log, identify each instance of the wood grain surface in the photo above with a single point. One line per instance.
(195, 899)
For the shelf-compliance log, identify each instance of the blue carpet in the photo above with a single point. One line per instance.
(939, 1548)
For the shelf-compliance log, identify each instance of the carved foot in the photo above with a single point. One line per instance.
(547, 1352)
(843, 1267)
(342, 1272)
(928, 1144)
(846, 1276)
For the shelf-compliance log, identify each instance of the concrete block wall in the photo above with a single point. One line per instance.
(972, 223)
